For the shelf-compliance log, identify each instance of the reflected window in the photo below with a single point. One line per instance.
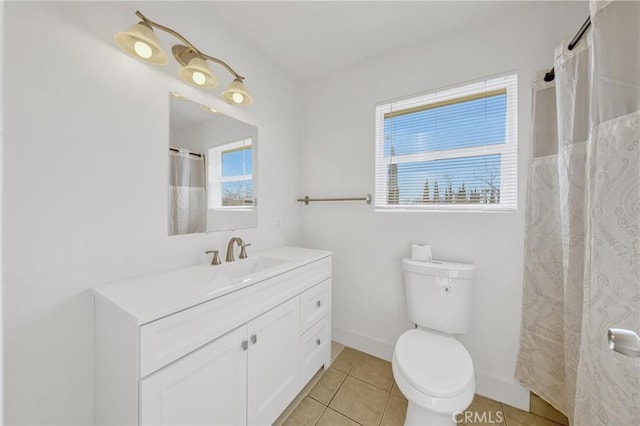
(230, 175)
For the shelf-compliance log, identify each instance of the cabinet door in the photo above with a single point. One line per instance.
(273, 362)
(208, 386)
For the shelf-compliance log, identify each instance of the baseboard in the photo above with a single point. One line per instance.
(363, 343)
(509, 392)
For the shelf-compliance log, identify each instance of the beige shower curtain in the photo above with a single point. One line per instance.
(582, 264)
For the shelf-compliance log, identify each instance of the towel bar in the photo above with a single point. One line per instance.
(306, 200)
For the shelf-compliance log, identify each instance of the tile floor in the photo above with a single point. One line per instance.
(358, 389)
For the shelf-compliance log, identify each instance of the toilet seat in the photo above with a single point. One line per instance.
(434, 364)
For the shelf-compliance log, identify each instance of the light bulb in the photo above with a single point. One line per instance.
(198, 78)
(237, 98)
(142, 49)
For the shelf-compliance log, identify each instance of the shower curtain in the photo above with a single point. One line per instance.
(187, 196)
(582, 247)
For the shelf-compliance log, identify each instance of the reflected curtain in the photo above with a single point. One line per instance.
(187, 196)
(582, 246)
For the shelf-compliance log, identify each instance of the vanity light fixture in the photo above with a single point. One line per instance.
(237, 93)
(197, 73)
(140, 42)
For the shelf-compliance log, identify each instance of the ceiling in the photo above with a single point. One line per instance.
(309, 39)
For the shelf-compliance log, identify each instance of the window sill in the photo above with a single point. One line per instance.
(445, 209)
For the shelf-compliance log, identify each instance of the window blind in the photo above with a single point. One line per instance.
(453, 149)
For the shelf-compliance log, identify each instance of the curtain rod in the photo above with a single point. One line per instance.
(191, 153)
(574, 41)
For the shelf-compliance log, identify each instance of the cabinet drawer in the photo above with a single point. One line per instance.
(314, 304)
(315, 348)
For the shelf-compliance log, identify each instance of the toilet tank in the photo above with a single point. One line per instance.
(439, 294)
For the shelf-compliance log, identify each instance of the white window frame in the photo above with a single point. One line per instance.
(214, 173)
(508, 150)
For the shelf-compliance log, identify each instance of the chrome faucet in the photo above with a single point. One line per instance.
(243, 253)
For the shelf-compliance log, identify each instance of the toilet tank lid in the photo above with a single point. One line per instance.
(440, 268)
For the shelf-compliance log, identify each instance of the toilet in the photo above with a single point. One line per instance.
(430, 366)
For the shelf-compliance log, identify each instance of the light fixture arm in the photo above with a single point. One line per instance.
(189, 45)
(223, 63)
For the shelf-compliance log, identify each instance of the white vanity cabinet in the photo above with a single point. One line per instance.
(274, 374)
(208, 386)
(237, 358)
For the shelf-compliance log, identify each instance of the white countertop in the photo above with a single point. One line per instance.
(150, 297)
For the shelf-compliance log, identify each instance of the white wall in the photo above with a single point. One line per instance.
(218, 131)
(369, 310)
(85, 172)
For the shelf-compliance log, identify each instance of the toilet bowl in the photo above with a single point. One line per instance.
(431, 367)
(435, 373)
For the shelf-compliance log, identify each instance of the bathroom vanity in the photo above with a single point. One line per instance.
(231, 344)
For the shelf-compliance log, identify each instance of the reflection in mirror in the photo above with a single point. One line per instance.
(187, 195)
(212, 160)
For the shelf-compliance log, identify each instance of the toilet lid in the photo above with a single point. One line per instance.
(436, 365)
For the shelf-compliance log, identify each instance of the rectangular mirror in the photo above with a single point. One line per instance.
(212, 170)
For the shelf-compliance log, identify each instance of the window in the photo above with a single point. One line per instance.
(453, 149)
(230, 175)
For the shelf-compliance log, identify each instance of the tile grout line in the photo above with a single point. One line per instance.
(367, 383)
(321, 414)
(386, 404)
(348, 373)
(388, 392)
(326, 407)
(338, 390)
(504, 415)
(342, 384)
(343, 414)
(333, 396)
(340, 412)
(362, 380)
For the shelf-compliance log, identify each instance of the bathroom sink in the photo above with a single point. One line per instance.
(243, 269)
(239, 271)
